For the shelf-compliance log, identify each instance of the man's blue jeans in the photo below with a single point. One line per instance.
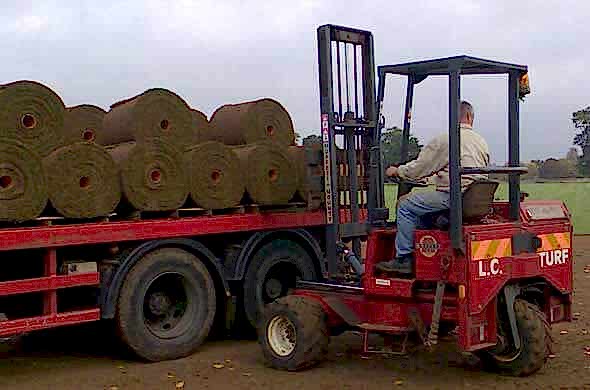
(409, 212)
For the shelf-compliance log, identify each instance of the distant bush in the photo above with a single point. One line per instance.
(558, 169)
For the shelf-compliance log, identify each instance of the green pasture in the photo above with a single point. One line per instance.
(576, 195)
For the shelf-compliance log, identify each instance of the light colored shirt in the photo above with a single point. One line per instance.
(434, 160)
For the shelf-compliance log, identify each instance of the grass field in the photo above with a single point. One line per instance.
(575, 195)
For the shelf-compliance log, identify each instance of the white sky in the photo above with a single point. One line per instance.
(216, 52)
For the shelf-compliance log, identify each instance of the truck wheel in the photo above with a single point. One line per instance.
(274, 269)
(535, 339)
(167, 305)
(293, 333)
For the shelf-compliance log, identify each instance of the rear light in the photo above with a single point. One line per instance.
(461, 291)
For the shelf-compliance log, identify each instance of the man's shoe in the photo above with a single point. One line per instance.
(401, 265)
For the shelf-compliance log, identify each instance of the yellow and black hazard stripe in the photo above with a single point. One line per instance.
(489, 249)
(554, 241)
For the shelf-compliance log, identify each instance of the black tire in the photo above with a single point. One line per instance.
(535, 339)
(166, 306)
(308, 324)
(281, 260)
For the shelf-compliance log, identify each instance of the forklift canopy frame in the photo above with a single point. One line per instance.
(454, 67)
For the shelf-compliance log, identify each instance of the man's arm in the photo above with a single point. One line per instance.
(433, 158)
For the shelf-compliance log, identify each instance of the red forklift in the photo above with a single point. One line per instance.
(496, 274)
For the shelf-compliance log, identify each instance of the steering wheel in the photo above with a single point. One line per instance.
(411, 183)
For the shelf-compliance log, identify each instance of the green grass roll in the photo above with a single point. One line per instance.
(23, 193)
(33, 113)
(245, 123)
(216, 179)
(153, 175)
(83, 123)
(155, 113)
(270, 174)
(82, 181)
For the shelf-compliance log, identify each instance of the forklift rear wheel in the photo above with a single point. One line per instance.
(293, 333)
(166, 306)
(535, 339)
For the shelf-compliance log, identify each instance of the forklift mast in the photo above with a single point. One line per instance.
(353, 182)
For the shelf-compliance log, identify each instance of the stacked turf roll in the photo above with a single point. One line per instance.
(147, 135)
(263, 135)
(151, 152)
(154, 113)
(23, 192)
(270, 178)
(82, 181)
(33, 113)
(83, 123)
(246, 123)
(200, 128)
(216, 178)
(152, 175)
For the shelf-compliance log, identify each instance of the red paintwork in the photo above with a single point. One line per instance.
(52, 237)
(23, 325)
(385, 301)
(48, 283)
(346, 215)
(106, 232)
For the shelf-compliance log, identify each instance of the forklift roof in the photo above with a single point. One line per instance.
(443, 66)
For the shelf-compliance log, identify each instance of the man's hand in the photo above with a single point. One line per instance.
(392, 172)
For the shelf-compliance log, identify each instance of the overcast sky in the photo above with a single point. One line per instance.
(213, 52)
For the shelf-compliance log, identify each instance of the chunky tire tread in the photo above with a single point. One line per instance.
(312, 333)
(535, 334)
(129, 318)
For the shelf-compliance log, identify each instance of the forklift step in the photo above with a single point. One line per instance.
(391, 345)
(380, 328)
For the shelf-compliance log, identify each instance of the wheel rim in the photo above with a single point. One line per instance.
(281, 336)
(169, 305)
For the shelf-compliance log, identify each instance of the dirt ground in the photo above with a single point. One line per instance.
(87, 357)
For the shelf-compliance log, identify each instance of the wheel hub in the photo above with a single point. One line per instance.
(159, 303)
(281, 335)
(273, 288)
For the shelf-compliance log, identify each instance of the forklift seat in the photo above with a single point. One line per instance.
(477, 203)
(478, 199)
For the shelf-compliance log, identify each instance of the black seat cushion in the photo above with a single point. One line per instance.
(477, 203)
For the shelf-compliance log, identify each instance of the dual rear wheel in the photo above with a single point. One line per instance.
(166, 306)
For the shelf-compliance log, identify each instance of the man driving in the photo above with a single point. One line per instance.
(433, 160)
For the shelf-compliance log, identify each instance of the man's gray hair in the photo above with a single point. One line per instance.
(466, 107)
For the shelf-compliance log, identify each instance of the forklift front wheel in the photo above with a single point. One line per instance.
(293, 333)
(535, 340)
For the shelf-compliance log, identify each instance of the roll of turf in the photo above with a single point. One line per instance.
(83, 123)
(82, 181)
(154, 113)
(153, 176)
(260, 120)
(200, 127)
(297, 156)
(33, 113)
(216, 180)
(270, 174)
(23, 193)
